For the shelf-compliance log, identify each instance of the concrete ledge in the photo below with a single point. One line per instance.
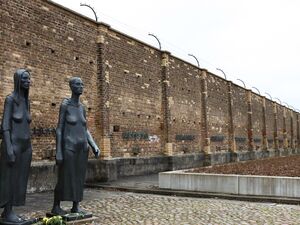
(270, 186)
(179, 180)
(231, 184)
(42, 175)
(198, 194)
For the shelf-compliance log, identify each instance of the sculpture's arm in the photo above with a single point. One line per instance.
(90, 139)
(59, 132)
(6, 128)
(92, 143)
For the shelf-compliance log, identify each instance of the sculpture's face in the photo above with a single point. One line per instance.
(25, 80)
(77, 86)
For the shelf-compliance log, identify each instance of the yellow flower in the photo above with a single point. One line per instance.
(45, 219)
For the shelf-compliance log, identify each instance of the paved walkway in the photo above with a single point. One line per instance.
(148, 182)
(116, 207)
(113, 207)
(149, 185)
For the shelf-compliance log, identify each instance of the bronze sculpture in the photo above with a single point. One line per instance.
(72, 140)
(16, 150)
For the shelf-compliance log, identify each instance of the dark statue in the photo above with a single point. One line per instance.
(72, 140)
(16, 150)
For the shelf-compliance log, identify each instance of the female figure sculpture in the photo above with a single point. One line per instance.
(16, 150)
(72, 140)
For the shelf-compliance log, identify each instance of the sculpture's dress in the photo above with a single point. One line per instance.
(14, 177)
(74, 147)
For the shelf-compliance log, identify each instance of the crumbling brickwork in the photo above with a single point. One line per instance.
(53, 44)
(185, 106)
(257, 121)
(240, 117)
(140, 101)
(270, 123)
(218, 112)
(280, 126)
(134, 76)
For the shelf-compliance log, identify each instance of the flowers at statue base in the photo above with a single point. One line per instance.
(54, 220)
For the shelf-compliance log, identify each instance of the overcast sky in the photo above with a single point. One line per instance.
(257, 41)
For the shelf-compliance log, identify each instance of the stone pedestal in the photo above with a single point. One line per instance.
(77, 218)
(23, 222)
(73, 216)
(90, 220)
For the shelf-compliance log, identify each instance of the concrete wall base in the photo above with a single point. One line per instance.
(231, 184)
(43, 174)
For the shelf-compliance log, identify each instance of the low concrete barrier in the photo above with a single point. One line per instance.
(42, 175)
(231, 184)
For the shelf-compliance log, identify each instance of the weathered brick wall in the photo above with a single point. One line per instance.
(270, 123)
(135, 96)
(138, 99)
(185, 106)
(257, 122)
(217, 113)
(295, 128)
(54, 45)
(240, 117)
(280, 127)
(291, 127)
(288, 126)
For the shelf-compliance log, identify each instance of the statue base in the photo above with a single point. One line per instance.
(91, 220)
(23, 222)
(73, 216)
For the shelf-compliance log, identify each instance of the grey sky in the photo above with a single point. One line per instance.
(257, 41)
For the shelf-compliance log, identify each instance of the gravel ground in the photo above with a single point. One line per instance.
(114, 208)
(278, 166)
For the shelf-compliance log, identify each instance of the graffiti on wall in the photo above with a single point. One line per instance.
(140, 136)
(134, 135)
(217, 138)
(41, 131)
(184, 137)
(240, 139)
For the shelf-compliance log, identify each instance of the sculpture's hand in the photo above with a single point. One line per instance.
(97, 152)
(11, 157)
(59, 159)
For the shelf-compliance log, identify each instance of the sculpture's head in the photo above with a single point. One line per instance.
(76, 85)
(21, 83)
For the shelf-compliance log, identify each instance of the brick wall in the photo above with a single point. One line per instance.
(270, 123)
(240, 117)
(257, 121)
(54, 45)
(135, 96)
(185, 106)
(280, 126)
(288, 120)
(295, 129)
(217, 113)
(140, 101)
